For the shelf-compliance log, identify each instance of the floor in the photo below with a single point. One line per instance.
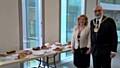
(115, 63)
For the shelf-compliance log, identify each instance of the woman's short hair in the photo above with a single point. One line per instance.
(86, 19)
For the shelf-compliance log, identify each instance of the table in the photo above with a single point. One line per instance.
(31, 57)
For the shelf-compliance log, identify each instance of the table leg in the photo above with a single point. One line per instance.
(48, 62)
(39, 63)
(54, 61)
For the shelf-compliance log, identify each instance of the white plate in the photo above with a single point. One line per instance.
(38, 53)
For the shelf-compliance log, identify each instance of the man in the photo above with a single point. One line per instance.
(103, 39)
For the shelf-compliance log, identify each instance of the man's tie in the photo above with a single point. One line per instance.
(97, 23)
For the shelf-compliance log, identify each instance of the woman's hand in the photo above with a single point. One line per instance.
(72, 50)
(88, 51)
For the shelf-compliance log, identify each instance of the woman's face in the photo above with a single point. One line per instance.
(81, 21)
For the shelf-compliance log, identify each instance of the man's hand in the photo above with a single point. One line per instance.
(113, 54)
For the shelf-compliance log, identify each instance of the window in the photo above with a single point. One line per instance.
(111, 1)
(108, 1)
(70, 10)
(117, 1)
(32, 26)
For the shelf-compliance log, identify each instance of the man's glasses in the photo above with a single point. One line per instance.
(97, 10)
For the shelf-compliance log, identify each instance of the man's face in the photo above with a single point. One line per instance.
(98, 12)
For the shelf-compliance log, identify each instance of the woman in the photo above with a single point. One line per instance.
(81, 43)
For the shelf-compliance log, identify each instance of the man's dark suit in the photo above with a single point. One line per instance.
(103, 42)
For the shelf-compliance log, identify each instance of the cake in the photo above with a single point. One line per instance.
(36, 48)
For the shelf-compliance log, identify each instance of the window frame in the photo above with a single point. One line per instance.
(20, 13)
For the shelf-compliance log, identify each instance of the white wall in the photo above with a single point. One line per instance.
(51, 20)
(9, 26)
(90, 5)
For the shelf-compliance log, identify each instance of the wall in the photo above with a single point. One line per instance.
(51, 20)
(90, 5)
(9, 27)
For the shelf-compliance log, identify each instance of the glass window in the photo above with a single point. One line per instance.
(111, 1)
(117, 1)
(32, 23)
(107, 1)
(70, 10)
(32, 26)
